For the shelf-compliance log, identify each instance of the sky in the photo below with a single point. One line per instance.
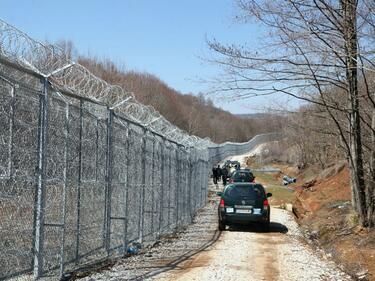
(164, 37)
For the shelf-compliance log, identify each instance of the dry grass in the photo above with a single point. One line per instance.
(280, 194)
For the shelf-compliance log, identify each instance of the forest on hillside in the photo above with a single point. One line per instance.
(196, 114)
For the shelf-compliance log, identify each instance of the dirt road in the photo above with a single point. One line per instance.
(239, 254)
(242, 253)
(246, 253)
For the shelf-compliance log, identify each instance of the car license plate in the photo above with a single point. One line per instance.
(230, 210)
(243, 211)
(256, 211)
(243, 206)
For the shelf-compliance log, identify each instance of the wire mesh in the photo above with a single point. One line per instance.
(19, 126)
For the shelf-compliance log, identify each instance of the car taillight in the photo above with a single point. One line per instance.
(265, 203)
(221, 203)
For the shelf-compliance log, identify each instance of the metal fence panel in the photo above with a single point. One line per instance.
(148, 190)
(165, 205)
(157, 186)
(135, 182)
(19, 117)
(119, 204)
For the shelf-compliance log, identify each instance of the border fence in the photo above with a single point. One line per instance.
(221, 151)
(86, 170)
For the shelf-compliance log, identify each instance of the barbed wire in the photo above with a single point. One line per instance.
(53, 62)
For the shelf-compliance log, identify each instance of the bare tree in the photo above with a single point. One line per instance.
(314, 46)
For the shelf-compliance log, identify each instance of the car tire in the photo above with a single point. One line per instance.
(266, 226)
(222, 225)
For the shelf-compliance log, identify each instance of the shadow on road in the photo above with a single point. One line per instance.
(170, 254)
(275, 227)
(175, 263)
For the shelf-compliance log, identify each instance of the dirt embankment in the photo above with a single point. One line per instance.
(323, 208)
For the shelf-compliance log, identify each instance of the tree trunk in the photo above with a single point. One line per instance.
(358, 181)
(371, 184)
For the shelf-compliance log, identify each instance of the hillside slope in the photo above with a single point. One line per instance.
(194, 114)
(324, 210)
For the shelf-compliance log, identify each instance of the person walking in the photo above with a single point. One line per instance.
(214, 174)
(218, 172)
(224, 174)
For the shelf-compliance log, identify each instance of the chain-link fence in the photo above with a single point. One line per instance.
(79, 183)
(219, 152)
(86, 170)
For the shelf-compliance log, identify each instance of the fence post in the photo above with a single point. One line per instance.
(108, 193)
(142, 201)
(178, 171)
(169, 189)
(190, 188)
(201, 182)
(197, 168)
(162, 168)
(79, 180)
(198, 183)
(194, 180)
(40, 192)
(206, 181)
(11, 126)
(183, 184)
(153, 189)
(62, 249)
(127, 187)
(97, 149)
(187, 186)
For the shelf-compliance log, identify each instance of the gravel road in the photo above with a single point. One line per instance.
(245, 253)
(200, 252)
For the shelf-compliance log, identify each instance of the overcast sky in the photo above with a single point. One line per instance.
(165, 38)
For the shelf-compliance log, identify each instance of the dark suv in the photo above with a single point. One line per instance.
(244, 203)
(243, 175)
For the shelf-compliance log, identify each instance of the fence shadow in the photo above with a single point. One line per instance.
(152, 270)
(176, 262)
(275, 227)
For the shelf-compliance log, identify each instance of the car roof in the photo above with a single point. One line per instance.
(232, 161)
(242, 171)
(244, 184)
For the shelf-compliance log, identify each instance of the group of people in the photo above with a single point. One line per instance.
(218, 173)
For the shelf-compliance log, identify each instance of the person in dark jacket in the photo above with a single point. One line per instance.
(214, 174)
(224, 174)
(218, 173)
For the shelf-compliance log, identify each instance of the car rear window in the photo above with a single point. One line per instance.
(243, 177)
(248, 191)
